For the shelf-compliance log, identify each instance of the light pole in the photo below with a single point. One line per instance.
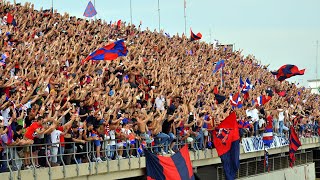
(185, 17)
(159, 13)
(131, 12)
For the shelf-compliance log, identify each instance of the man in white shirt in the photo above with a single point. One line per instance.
(281, 119)
(254, 113)
(160, 102)
(55, 140)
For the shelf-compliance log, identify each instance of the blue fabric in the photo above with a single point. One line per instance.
(220, 64)
(231, 161)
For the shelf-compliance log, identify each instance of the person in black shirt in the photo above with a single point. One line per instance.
(167, 127)
(83, 111)
(18, 152)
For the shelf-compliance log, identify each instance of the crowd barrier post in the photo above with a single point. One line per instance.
(88, 147)
(74, 157)
(48, 162)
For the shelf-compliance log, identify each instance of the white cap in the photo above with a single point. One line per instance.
(1, 118)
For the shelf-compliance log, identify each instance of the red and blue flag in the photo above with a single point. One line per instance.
(293, 145)
(109, 52)
(219, 64)
(262, 100)
(268, 133)
(227, 142)
(90, 10)
(287, 71)
(177, 167)
(194, 37)
(235, 100)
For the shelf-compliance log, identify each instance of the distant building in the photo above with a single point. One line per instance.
(314, 84)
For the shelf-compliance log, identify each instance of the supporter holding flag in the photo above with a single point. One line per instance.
(287, 71)
(108, 52)
(195, 37)
(227, 142)
(293, 145)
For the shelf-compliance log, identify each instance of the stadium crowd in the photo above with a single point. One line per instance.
(162, 93)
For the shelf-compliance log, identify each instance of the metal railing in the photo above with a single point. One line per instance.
(14, 157)
(256, 166)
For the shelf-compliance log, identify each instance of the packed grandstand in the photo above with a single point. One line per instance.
(160, 95)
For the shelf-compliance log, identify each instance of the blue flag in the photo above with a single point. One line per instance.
(90, 10)
(220, 64)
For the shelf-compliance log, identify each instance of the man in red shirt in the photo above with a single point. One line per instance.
(34, 129)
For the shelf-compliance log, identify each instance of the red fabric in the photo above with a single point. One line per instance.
(119, 24)
(265, 99)
(185, 154)
(60, 128)
(169, 173)
(32, 129)
(215, 90)
(293, 146)
(230, 123)
(9, 18)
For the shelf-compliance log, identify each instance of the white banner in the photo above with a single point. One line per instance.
(254, 144)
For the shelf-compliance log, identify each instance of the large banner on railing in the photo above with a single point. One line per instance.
(254, 144)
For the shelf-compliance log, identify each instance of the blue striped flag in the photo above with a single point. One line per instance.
(293, 146)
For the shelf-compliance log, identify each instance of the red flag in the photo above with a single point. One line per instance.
(195, 37)
(287, 71)
(119, 24)
(227, 142)
(293, 146)
(226, 133)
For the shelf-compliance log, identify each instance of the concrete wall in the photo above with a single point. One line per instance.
(303, 172)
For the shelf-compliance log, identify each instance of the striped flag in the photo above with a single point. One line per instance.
(177, 166)
(268, 137)
(293, 146)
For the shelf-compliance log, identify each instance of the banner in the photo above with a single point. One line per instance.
(254, 144)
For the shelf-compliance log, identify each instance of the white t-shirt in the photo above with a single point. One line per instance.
(6, 116)
(281, 115)
(261, 122)
(254, 113)
(112, 137)
(55, 137)
(160, 103)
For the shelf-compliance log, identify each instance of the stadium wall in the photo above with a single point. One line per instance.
(303, 172)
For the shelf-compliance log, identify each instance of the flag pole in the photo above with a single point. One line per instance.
(159, 13)
(94, 2)
(130, 12)
(221, 77)
(52, 6)
(185, 18)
